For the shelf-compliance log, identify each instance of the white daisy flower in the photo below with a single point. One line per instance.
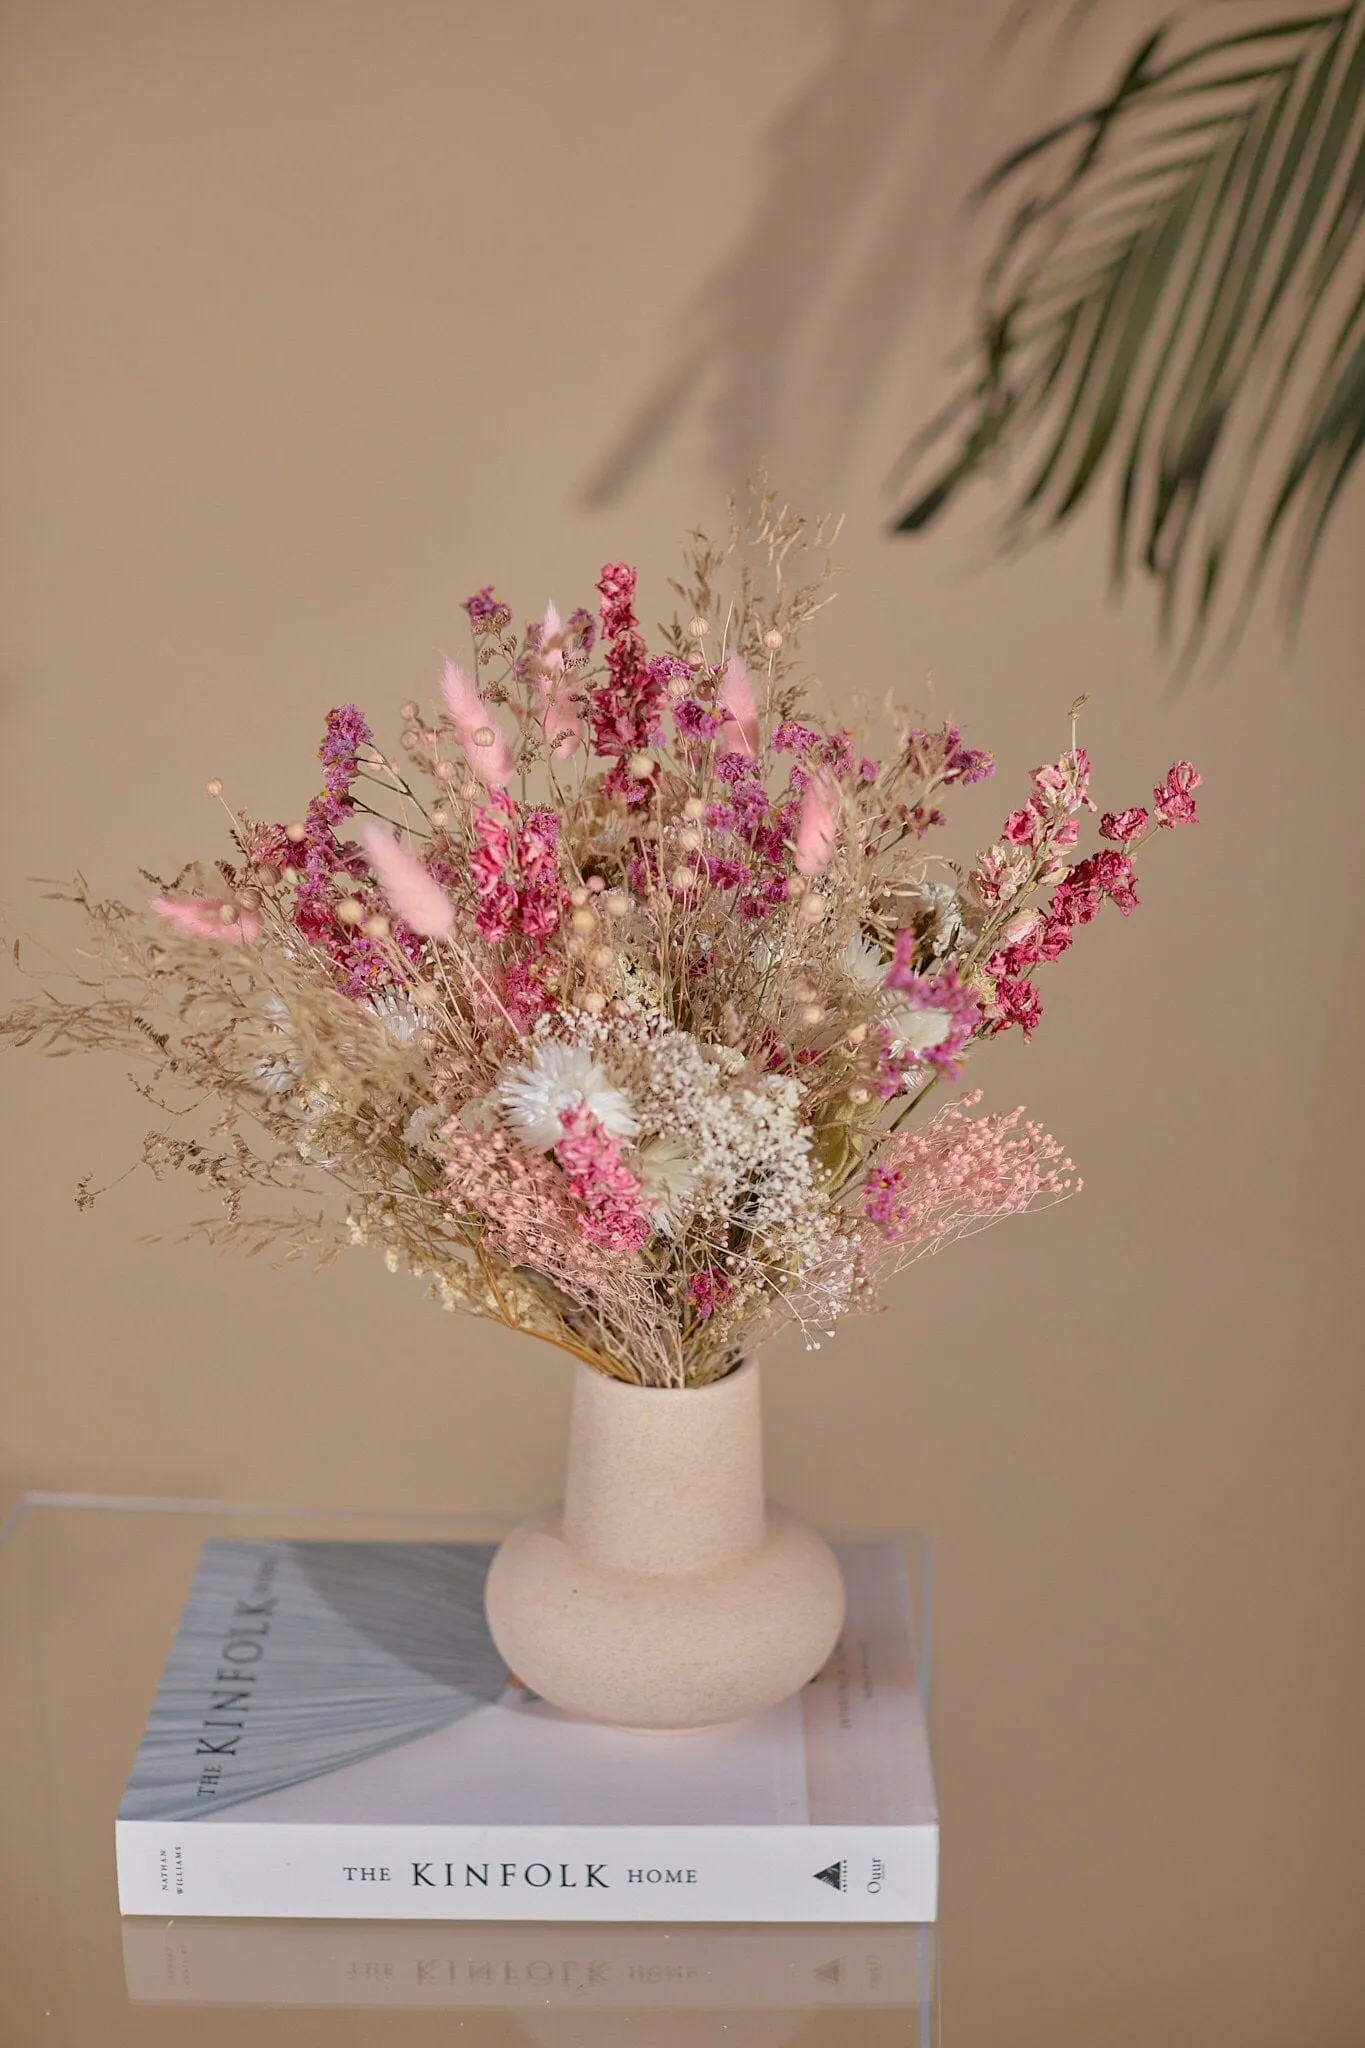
(669, 1178)
(559, 1077)
(862, 962)
(939, 902)
(398, 1017)
(916, 1030)
(911, 1030)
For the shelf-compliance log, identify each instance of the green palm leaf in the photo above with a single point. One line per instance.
(1177, 301)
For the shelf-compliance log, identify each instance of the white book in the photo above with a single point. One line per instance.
(335, 1737)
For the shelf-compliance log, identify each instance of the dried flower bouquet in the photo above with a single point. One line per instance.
(616, 997)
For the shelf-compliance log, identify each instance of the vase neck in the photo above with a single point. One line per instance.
(665, 1479)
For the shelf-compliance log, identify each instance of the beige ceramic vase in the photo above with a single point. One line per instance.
(665, 1592)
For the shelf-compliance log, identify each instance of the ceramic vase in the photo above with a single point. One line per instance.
(665, 1591)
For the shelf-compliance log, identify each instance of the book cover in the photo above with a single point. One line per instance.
(335, 1736)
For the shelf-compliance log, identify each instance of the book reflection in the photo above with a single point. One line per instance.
(535, 1971)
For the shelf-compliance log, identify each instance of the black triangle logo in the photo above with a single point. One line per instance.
(835, 1874)
(831, 1973)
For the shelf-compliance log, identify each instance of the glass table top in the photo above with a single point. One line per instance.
(90, 1593)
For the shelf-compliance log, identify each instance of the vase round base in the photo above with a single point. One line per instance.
(665, 1651)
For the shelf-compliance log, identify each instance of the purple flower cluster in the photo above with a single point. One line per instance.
(487, 612)
(940, 758)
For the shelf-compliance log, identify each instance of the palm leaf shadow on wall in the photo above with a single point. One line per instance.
(1174, 303)
(801, 319)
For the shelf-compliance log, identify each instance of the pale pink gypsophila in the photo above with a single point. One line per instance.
(560, 715)
(201, 917)
(817, 826)
(961, 1173)
(739, 734)
(522, 1202)
(471, 718)
(412, 893)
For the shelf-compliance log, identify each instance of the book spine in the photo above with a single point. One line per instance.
(326, 1872)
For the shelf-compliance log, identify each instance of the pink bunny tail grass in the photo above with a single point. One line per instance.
(462, 700)
(201, 917)
(740, 731)
(560, 715)
(413, 895)
(485, 744)
(817, 827)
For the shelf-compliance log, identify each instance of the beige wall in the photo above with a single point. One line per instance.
(320, 314)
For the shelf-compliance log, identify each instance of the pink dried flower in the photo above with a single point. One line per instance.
(582, 628)
(694, 721)
(542, 898)
(939, 758)
(1113, 872)
(488, 861)
(524, 994)
(1062, 786)
(487, 612)
(347, 732)
(1054, 938)
(709, 1290)
(1076, 899)
(1000, 873)
(614, 1215)
(210, 917)
(1174, 798)
(626, 709)
(837, 752)
(724, 872)
(793, 738)
(484, 743)
(1021, 927)
(412, 893)
(1124, 825)
(616, 588)
(1018, 1002)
